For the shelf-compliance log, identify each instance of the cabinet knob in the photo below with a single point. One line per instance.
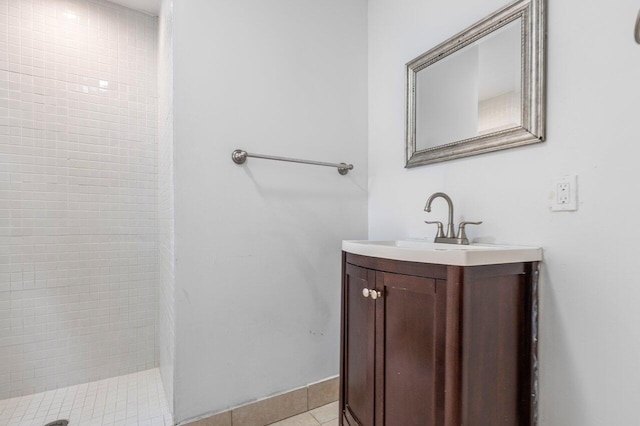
(375, 294)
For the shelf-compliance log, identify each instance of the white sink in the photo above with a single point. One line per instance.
(445, 254)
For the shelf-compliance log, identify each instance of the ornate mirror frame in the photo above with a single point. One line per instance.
(532, 129)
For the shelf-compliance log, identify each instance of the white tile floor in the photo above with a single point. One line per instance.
(132, 400)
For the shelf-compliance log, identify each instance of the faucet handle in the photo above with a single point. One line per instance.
(440, 227)
(462, 235)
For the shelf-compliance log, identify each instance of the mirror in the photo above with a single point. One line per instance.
(480, 91)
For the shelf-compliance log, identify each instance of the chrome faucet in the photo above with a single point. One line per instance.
(450, 237)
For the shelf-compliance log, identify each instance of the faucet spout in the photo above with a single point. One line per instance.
(427, 208)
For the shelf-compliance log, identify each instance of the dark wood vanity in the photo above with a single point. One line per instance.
(430, 344)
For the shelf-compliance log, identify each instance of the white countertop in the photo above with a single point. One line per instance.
(444, 254)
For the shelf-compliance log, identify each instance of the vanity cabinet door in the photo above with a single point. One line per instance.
(358, 346)
(410, 343)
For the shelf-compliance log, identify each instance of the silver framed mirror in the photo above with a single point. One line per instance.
(482, 90)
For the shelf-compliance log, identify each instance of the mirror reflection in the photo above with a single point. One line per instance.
(472, 92)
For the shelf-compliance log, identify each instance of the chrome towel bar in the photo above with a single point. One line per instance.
(239, 156)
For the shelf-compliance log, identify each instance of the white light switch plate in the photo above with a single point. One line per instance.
(564, 194)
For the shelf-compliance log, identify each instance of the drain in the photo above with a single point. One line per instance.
(58, 423)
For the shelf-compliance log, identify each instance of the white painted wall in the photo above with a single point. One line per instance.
(258, 246)
(590, 341)
(166, 211)
(78, 123)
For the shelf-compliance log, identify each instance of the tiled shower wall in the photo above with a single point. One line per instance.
(78, 168)
(166, 321)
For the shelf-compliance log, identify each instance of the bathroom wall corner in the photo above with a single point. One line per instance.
(166, 210)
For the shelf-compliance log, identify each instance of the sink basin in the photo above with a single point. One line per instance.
(445, 254)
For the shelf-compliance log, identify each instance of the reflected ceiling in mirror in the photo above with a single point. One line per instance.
(479, 91)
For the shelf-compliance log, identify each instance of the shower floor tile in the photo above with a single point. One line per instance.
(133, 400)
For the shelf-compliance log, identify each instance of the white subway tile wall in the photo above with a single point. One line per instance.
(166, 252)
(78, 184)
